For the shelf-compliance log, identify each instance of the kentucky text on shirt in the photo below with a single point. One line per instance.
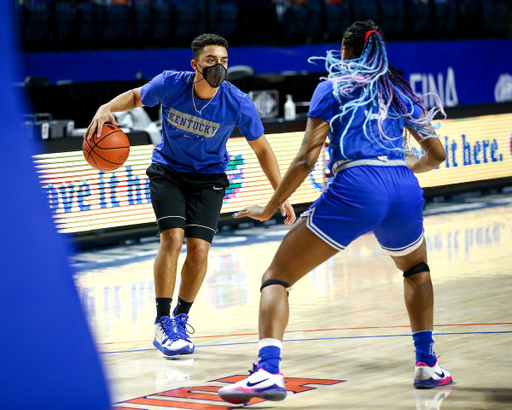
(192, 124)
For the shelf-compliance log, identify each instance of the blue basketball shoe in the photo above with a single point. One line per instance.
(183, 328)
(171, 336)
(428, 377)
(260, 383)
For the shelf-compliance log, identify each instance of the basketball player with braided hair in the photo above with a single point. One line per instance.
(363, 106)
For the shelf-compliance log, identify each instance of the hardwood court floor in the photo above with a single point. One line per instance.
(348, 343)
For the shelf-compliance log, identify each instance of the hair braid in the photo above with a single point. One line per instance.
(381, 85)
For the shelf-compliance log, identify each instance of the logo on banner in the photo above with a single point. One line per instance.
(444, 87)
(235, 173)
(503, 88)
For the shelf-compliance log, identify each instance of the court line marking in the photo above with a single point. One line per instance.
(321, 338)
(325, 330)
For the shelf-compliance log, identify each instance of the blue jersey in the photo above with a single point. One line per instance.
(193, 142)
(355, 145)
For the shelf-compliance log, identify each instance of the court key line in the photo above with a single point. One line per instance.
(325, 330)
(320, 338)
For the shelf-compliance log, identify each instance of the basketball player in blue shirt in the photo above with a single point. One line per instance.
(187, 174)
(363, 107)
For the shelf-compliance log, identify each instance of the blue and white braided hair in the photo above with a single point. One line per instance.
(380, 86)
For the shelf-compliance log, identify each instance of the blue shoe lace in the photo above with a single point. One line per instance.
(183, 328)
(168, 326)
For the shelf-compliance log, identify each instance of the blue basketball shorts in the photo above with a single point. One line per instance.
(385, 200)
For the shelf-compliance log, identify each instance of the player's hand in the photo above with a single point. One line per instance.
(102, 116)
(410, 160)
(287, 210)
(255, 212)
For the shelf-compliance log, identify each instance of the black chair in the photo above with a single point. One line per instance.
(36, 81)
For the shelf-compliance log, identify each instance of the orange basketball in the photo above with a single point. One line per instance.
(108, 151)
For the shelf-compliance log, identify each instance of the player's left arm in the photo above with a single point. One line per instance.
(268, 163)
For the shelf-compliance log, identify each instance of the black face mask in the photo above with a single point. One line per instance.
(214, 75)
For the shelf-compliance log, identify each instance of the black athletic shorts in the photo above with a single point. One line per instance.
(190, 201)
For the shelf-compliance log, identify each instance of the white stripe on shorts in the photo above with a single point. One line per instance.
(405, 250)
(201, 226)
(165, 217)
(318, 232)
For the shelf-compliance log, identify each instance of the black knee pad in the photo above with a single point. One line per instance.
(420, 267)
(275, 282)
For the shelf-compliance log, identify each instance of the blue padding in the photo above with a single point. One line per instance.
(430, 65)
(47, 356)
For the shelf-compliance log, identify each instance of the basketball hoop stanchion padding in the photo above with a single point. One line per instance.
(47, 356)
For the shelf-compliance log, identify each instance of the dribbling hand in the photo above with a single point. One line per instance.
(102, 116)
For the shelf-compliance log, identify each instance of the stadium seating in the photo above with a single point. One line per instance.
(392, 20)
(190, 19)
(419, 18)
(223, 17)
(337, 20)
(162, 21)
(65, 19)
(495, 17)
(87, 24)
(445, 19)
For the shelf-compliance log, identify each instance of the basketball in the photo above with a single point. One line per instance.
(108, 151)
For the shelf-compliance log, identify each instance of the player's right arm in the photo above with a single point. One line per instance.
(434, 153)
(124, 102)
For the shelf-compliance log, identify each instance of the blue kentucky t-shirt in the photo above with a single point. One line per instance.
(356, 145)
(193, 142)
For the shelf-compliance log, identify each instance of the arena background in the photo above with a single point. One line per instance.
(76, 55)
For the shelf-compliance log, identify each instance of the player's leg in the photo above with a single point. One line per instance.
(349, 208)
(204, 196)
(300, 252)
(193, 271)
(418, 290)
(419, 300)
(401, 234)
(169, 205)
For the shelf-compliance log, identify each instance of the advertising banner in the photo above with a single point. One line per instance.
(83, 199)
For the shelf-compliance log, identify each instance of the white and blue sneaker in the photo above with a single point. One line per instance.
(169, 338)
(183, 328)
(260, 383)
(428, 377)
